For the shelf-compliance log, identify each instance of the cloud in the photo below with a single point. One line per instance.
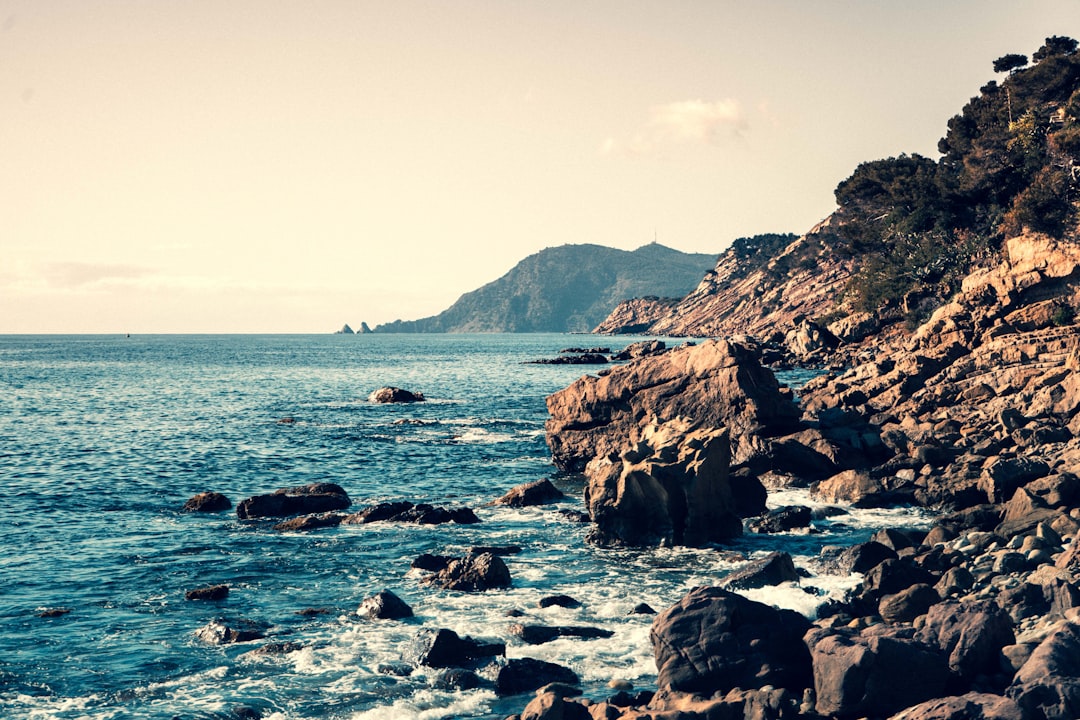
(683, 122)
(72, 275)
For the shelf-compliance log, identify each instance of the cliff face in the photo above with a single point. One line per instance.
(636, 315)
(569, 288)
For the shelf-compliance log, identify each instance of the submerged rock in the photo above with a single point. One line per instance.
(395, 395)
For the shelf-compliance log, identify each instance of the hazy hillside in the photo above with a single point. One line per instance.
(569, 288)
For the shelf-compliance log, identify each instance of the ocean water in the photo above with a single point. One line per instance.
(102, 439)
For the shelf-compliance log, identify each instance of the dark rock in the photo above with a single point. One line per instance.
(384, 605)
(773, 569)
(209, 592)
(472, 573)
(464, 516)
(895, 539)
(495, 549)
(863, 557)
(1048, 684)
(303, 500)
(972, 706)
(576, 516)
(445, 648)
(54, 612)
(582, 359)
(314, 612)
(908, 604)
(971, 634)
(561, 600)
(434, 563)
(538, 492)
(859, 675)
(207, 502)
(218, 632)
(893, 575)
(540, 634)
(378, 512)
(715, 640)
(522, 675)
(1005, 475)
(277, 648)
(305, 523)
(245, 712)
(645, 348)
(395, 395)
(643, 609)
(457, 679)
(781, 520)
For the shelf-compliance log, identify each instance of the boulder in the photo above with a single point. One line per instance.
(715, 640)
(305, 523)
(302, 500)
(1048, 684)
(405, 511)
(972, 706)
(540, 634)
(218, 632)
(522, 675)
(773, 569)
(207, 502)
(716, 384)
(445, 648)
(553, 706)
(971, 634)
(782, 519)
(384, 605)
(472, 573)
(671, 489)
(559, 600)
(209, 592)
(908, 604)
(858, 675)
(538, 492)
(395, 395)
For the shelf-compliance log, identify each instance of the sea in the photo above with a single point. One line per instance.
(103, 439)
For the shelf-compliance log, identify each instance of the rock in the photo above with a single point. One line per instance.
(584, 359)
(405, 511)
(855, 327)
(634, 316)
(522, 675)
(645, 348)
(773, 569)
(864, 557)
(384, 605)
(717, 384)
(207, 502)
(575, 516)
(858, 489)
(209, 592)
(538, 492)
(971, 634)
(781, 519)
(857, 675)
(457, 679)
(671, 489)
(305, 523)
(908, 604)
(540, 634)
(715, 640)
(302, 500)
(972, 706)
(893, 575)
(495, 549)
(345, 330)
(1004, 476)
(445, 648)
(395, 395)
(642, 609)
(378, 512)
(434, 563)
(472, 573)
(276, 648)
(365, 329)
(54, 612)
(1048, 684)
(553, 706)
(218, 632)
(560, 600)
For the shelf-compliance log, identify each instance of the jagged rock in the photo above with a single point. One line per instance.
(773, 569)
(434, 563)
(395, 395)
(583, 359)
(671, 489)
(305, 523)
(972, 635)
(384, 605)
(972, 706)
(345, 330)
(365, 329)
(714, 639)
(858, 675)
(522, 675)
(1048, 684)
(538, 492)
(645, 348)
(302, 500)
(405, 511)
(632, 317)
(445, 648)
(717, 384)
(209, 592)
(207, 502)
(472, 573)
(855, 327)
(377, 512)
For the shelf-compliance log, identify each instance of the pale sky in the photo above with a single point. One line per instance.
(270, 166)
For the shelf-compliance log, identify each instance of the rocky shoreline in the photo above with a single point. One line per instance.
(975, 415)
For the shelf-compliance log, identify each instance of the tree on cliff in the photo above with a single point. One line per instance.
(1009, 161)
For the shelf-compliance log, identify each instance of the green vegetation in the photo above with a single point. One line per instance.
(1010, 160)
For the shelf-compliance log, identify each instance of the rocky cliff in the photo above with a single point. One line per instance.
(570, 288)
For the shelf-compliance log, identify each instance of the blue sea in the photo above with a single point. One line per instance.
(103, 439)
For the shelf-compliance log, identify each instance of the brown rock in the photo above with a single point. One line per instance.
(209, 592)
(538, 492)
(207, 502)
(472, 573)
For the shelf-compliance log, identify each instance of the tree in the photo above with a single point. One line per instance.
(1010, 62)
(1055, 46)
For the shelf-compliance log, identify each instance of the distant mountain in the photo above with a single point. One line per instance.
(569, 288)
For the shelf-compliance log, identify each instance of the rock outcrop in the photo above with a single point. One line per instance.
(636, 315)
(302, 500)
(395, 395)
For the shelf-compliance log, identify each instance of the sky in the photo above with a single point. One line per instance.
(271, 166)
